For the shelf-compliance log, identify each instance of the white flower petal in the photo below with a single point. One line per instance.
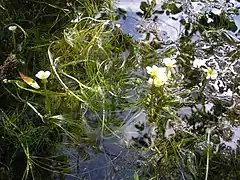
(169, 62)
(43, 75)
(159, 75)
(211, 74)
(149, 69)
(150, 81)
(47, 74)
(12, 28)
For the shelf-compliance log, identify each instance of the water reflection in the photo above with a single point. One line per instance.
(113, 158)
(203, 30)
(137, 27)
(208, 31)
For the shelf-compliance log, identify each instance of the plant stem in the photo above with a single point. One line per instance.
(14, 40)
(208, 144)
(46, 96)
(203, 95)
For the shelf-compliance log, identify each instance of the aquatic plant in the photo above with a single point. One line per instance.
(97, 79)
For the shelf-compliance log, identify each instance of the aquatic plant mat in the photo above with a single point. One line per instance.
(129, 89)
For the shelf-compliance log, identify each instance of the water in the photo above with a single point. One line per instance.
(133, 24)
(179, 27)
(114, 158)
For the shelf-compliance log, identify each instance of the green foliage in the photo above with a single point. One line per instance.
(98, 72)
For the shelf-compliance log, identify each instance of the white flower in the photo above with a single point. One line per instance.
(5, 81)
(152, 70)
(169, 62)
(160, 79)
(43, 75)
(118, 25)
(211, 74)
(12, 28)
(155, 71)
(159, 75)
(197, 63)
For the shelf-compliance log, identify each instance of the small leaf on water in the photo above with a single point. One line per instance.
(31, 82)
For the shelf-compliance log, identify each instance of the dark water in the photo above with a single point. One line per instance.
(179, 27)
(113, 158)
